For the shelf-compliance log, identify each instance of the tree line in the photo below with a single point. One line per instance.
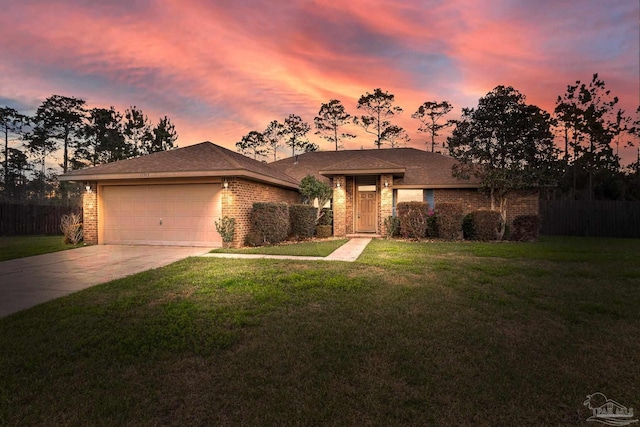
(504, 140)
(573, 152)
(86, 136)
(378, 107)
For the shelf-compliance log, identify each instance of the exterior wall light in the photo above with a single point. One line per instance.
(386, 183)
(337, 184)
(225, 184)
(88, 187)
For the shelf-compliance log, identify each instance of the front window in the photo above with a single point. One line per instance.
(409, 195)
(413, 195)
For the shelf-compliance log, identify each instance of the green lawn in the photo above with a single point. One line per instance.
(24, 246)
(451, 334)
(320, 248)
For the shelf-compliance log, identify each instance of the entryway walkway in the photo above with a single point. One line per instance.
(348, 252)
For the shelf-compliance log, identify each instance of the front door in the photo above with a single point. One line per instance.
(367, 212)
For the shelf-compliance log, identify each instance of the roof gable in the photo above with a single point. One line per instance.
(203, 159)
(420, 168)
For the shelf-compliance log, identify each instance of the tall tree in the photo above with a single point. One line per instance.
(164, 135)
(295, 132)
(506, 143)
(308, 147)
(379, 108)
(252, 144)
(104, 139)
(588, 111)
(273, 135)
(16, 180)
(59, 118)
(11, 124)
(330, 118)
(39, 144)
(395, 136)
(137, 129)
(429, 114)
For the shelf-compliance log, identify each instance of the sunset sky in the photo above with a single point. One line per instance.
(219, 69)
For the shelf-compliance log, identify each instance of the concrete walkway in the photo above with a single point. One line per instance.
(348, 252)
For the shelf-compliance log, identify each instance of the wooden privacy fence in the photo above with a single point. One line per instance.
(22, 220)
(584, 218)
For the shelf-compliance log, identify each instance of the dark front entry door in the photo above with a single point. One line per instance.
(367, 212)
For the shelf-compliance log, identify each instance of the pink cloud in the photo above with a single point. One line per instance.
(220, 69)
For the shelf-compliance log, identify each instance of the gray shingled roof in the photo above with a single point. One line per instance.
(410, 166)
(204, 159)
(422, 168)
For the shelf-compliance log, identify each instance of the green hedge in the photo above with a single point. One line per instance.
(269, 223)
(449, 220)
(302, 220)
(392, 226)
(482, 225)
(324, 231)
(413, 219)
(525, 228)
(327, 217)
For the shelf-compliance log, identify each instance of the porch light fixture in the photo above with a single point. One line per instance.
(225, 184)
(386, 183)
(88, 187)
(337, 184)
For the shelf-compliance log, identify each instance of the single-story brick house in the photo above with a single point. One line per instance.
(174, 197)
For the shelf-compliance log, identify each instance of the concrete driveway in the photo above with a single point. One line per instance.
(26, 282)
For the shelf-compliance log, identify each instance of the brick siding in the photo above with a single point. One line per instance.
(238, 199)
(90, 215)
(350, 205)
(386, 202)
(339, 206)
(521, 203)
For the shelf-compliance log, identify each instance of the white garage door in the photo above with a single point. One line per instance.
(161, 214)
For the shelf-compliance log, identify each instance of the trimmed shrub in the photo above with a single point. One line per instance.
(327, 217)
(468, 231)
(303, 221)
(432, 224)
(253, 239)
(270, 223)
(413, 219)
(392, 225)
(449, 220)
(525, 228)
(485, 224)
(324, 231)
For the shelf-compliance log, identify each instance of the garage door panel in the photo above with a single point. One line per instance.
(132, 214)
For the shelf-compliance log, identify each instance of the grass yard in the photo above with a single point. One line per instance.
(23, 246)
(412, 334)
(319, 248)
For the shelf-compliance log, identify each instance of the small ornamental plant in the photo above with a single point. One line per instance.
(71, 227)
(226, 227)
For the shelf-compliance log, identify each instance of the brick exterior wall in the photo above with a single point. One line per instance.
(237, 202)
(339, 205)
(521, 203)
(386, 201)
(90, 215)
(350, 205)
